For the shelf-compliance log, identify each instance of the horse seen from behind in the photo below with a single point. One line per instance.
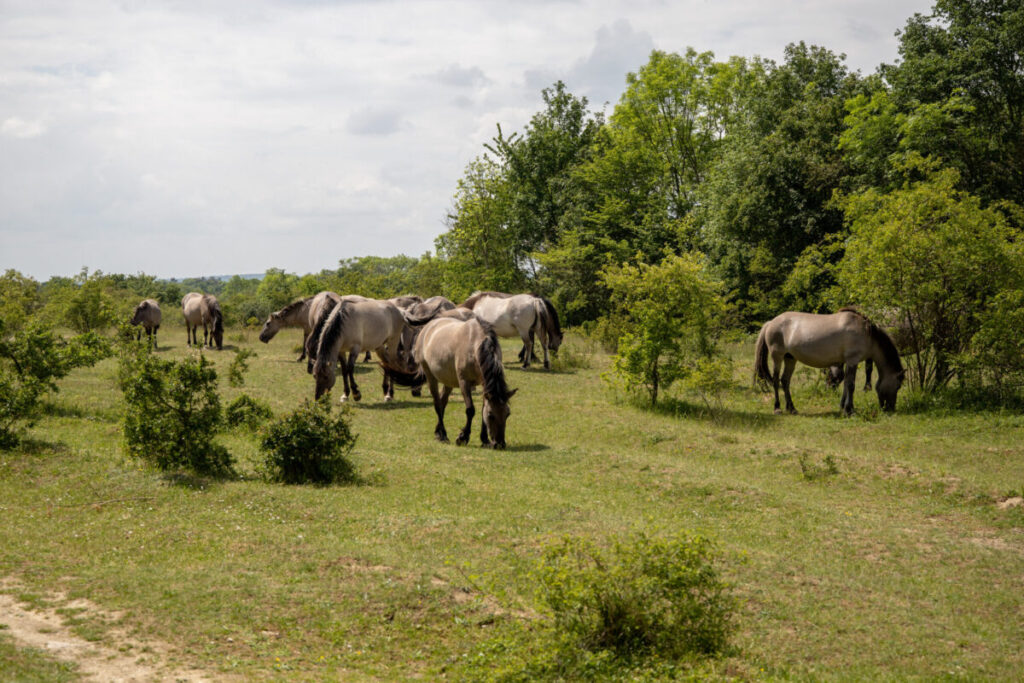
(203, 309)
(844, 338)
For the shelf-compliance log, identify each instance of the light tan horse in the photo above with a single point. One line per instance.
(147, 314)
(458, 349)
(519, 315)
(304, 314)
(846, 337)
(351, 327)
(203, 309)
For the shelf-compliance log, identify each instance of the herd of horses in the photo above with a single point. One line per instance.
(448, 346)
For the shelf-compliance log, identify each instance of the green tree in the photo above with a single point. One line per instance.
(19, 299)
(934, 256)
(669, 313)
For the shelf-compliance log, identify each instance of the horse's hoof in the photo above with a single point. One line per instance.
(778, 411)
(461, 441)
(442, 438)
(791, 411)
(388, 399)
(417, 393)
(343, 399)
(485, 444)
(356, 396)
(499, 446)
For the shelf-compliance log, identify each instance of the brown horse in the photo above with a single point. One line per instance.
(203, 309)
(846, 337)
(147, 314)
(458, 349)
(351, 327)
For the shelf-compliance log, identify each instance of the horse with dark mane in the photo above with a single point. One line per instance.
(458, 349)
(203, 309)
(295, 314)
(846, 337)
(520, 315)
(903, 336)
(147, 314)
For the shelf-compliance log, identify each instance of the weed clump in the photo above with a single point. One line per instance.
(309, 446)
(172, 412)
(246, 411)
(646, 595)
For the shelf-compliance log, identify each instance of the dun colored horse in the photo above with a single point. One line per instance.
(902, 334)
(303, 313)
(350, 327)
(147, 314)
(458, 349)
(846, 338)
(203, 309)
(519, 315)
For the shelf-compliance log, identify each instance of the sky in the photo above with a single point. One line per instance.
(195, 137)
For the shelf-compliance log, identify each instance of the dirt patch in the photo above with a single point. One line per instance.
(1012, 502)
(44, 629)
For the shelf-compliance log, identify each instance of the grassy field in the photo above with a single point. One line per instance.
(872, 547)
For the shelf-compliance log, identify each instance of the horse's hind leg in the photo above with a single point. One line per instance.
(787, 374)
(527, 338)
(305, 338)
(776, 375)
(849, 389)
(356, 395)
(868, 365)
(440, 402)
(467, 396)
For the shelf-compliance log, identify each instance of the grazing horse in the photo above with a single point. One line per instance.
(351, 327)
(147, 314)
(846, 337)
(458, 349)
(203, 309)
(519, 315)
(902, 334)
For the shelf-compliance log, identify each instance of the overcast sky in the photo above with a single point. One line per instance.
(195, 138)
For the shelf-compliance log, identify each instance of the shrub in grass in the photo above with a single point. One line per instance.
(645, 596)
(309, 446)
(172, 412)
(246, 411)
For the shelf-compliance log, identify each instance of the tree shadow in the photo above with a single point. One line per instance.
(33, 446)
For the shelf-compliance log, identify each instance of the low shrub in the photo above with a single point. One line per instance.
(644, 596)
(172, 411)
(309, 446)
(246, 411)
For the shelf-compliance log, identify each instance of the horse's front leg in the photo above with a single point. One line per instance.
(868, 365)
(776, 375)
(467, 396)
(527, 338)
(440, 403)
(849, 389)
(305, 338)
(352, 374)
(388, 385)
(787, 374)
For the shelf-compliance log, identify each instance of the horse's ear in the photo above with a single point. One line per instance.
(513, 392)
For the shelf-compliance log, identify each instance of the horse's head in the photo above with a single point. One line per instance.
(554, 341)
(325, 376)
(887, 387)
(496, 414)
(139, 312)
(270, 327)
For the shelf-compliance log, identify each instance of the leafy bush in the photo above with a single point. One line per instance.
(173, 412)
(32, 359)
(247, 411)
(645, 596)
(239, 366)
(309, 446)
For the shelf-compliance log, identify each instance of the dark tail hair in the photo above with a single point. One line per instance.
(313, 340)
(404, 378)
(552, 315)
(332, 327)
(762, 374)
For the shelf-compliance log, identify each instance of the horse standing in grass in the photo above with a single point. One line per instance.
(846, 338)
(519, 315)
(352, 326)
(203, 309)
(458, 349)
(147, 314)
(902, 334)
(295, 314)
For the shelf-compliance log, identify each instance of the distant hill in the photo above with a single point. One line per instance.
(223, 278)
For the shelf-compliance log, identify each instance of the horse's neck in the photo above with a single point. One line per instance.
(878, 357)
(298, 315)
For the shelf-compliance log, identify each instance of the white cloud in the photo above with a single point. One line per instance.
(18, 128)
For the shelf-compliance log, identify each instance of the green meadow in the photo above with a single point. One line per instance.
(881, 546)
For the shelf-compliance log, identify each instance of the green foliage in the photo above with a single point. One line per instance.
(19, 299)
(173, 412)
(995, 356)
(646, 595)
(933, 256)
(668, 315)
(239, 366)
(89, 307)
(32, 359)
(309, 446)
(246, 411)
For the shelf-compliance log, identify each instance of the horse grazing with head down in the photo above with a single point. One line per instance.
(147, 314)
(519, 315)
(846, 338)
(203, 309)
(458, 349)
(350, 327)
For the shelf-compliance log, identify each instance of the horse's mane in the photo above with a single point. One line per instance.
(475, 297)
(552, 314)
(215, 313)
(332, 330)
(880, 337)
(293, 306)
(487, 355)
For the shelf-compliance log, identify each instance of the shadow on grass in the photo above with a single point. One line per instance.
(729, 417)
(31, 446)
(397, 404)
(189, 480)
(527, 448)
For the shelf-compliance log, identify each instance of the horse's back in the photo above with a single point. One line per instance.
(192, 307)
(816, 339)
(510, 316)
(445, 349)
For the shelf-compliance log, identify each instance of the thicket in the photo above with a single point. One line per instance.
(309, 446)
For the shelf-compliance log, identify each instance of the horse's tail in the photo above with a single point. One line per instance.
(403, 377)
(488, 356)
(332, 327)
(762, 374)
(313, 340)
(552, 324)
